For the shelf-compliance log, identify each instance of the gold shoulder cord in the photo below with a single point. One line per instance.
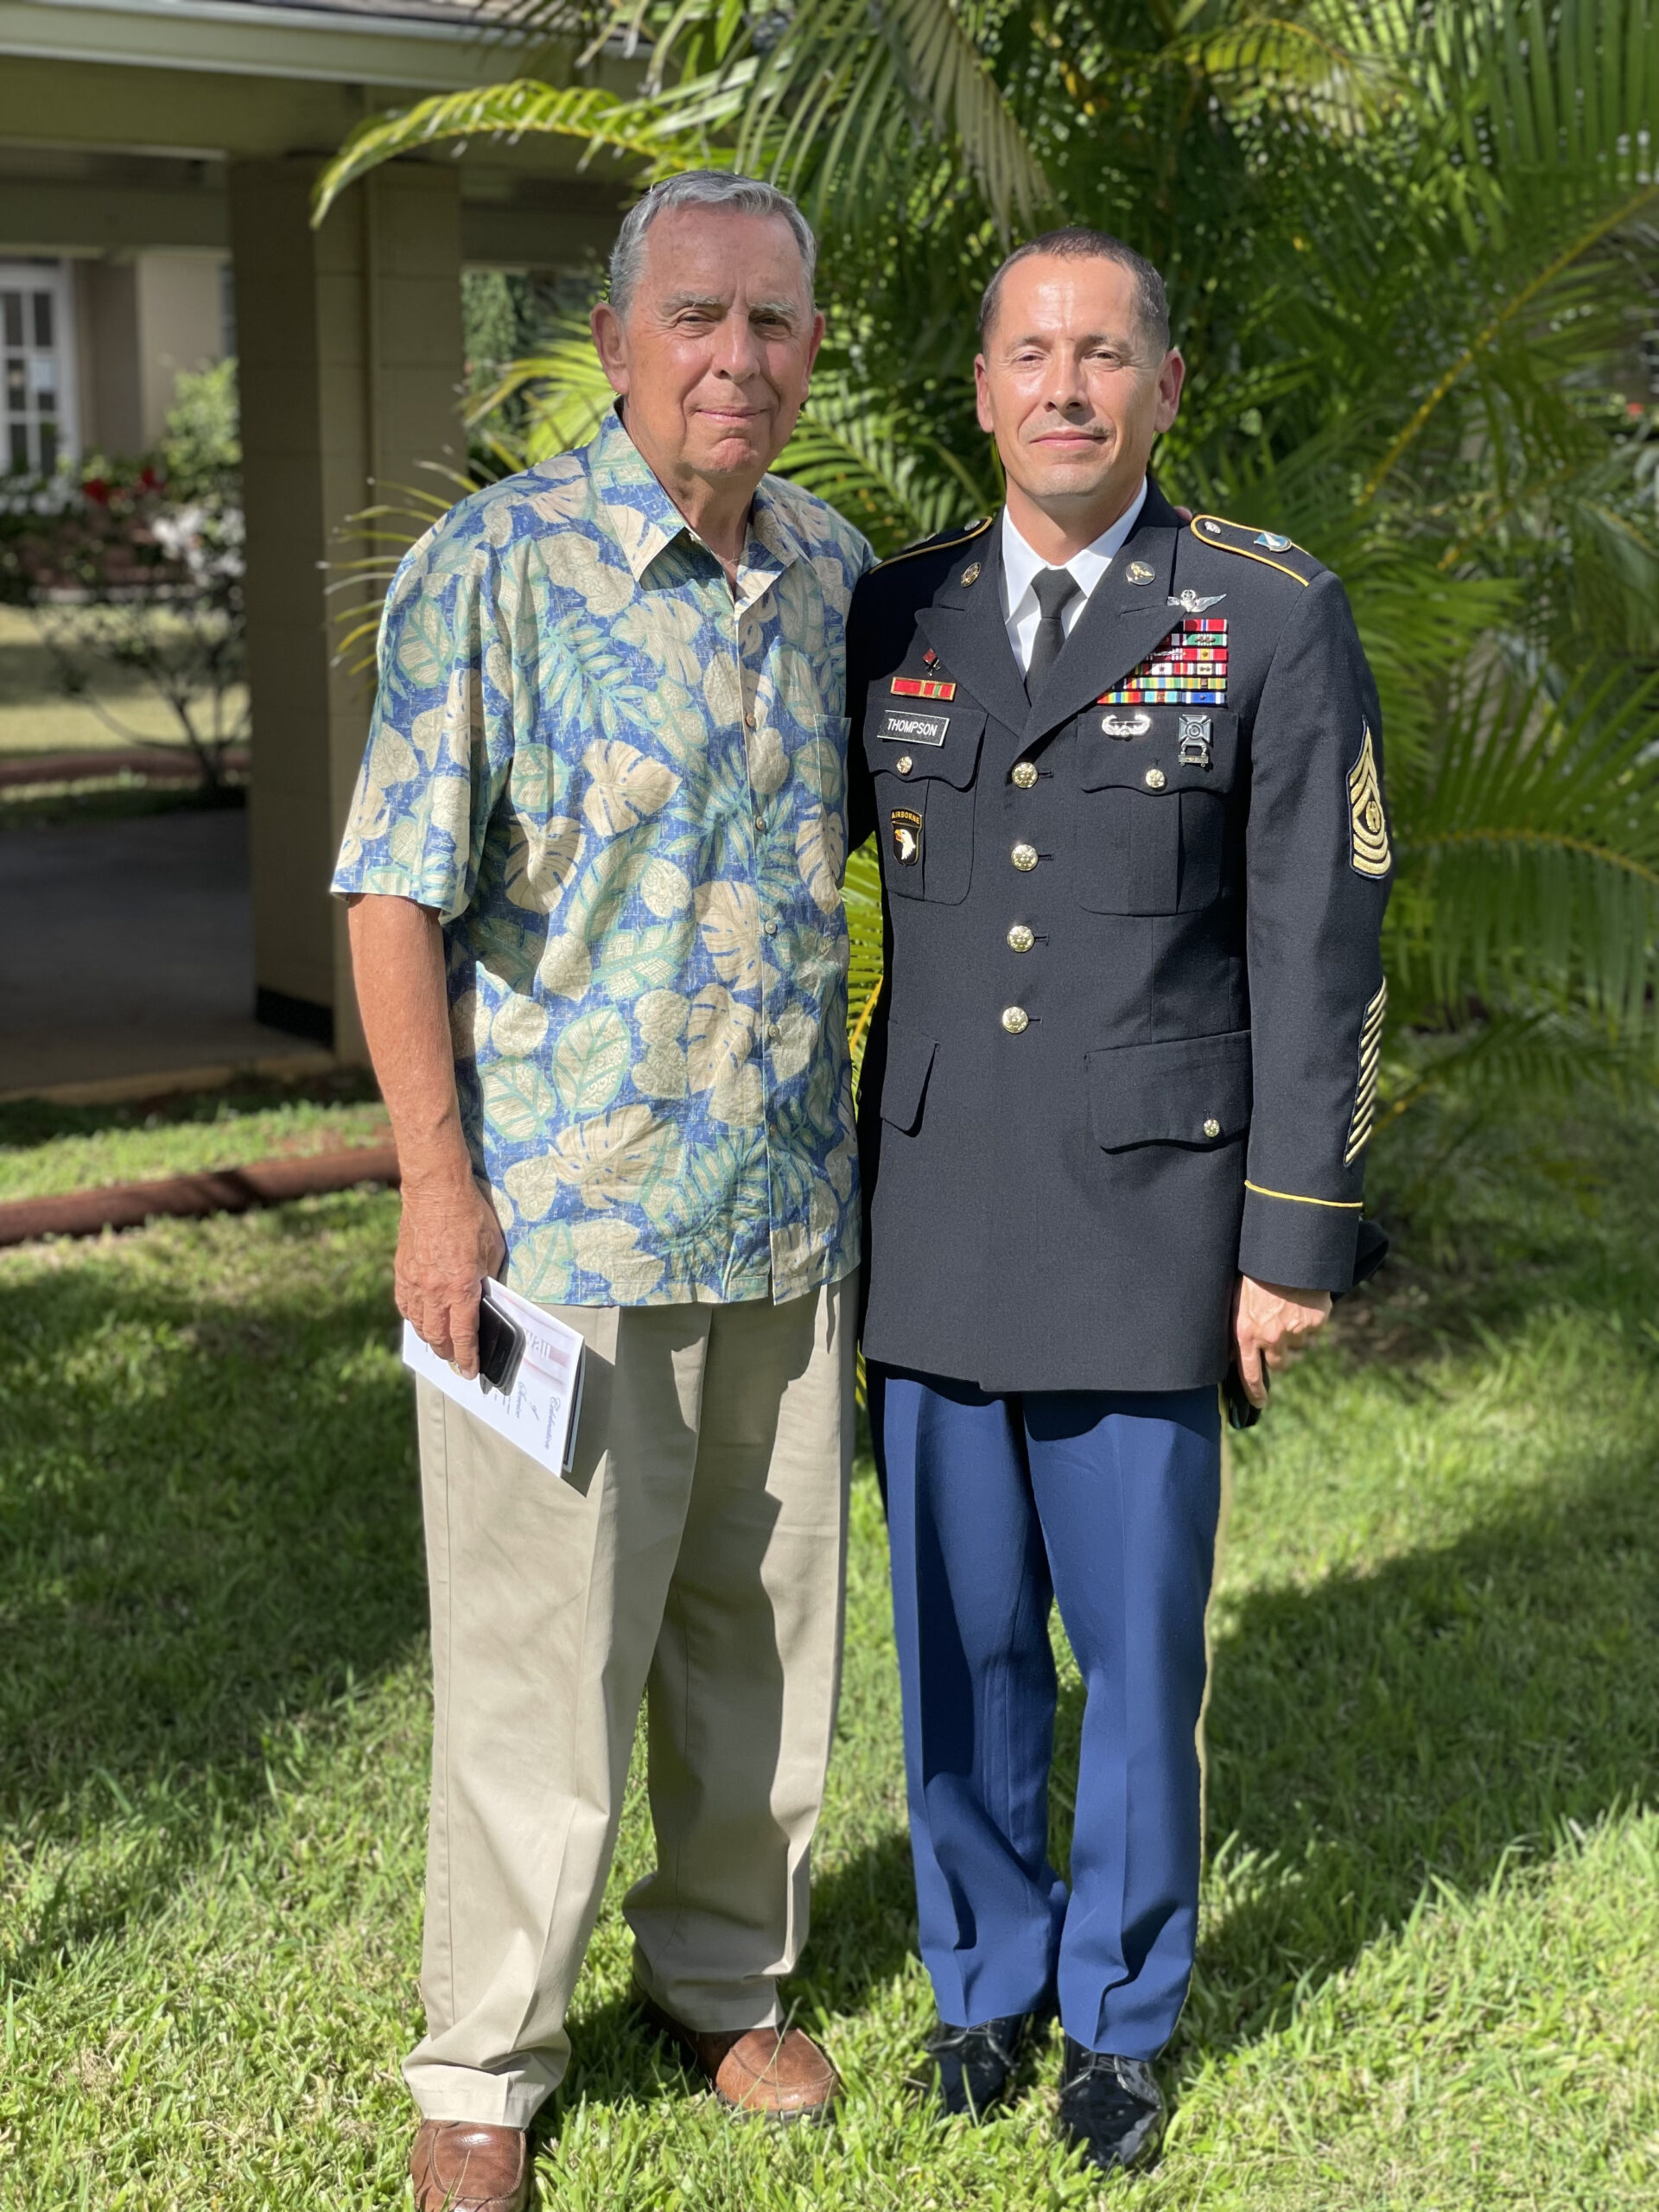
(936, 544)
(1244, 552)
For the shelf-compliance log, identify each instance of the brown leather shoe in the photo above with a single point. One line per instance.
(463, 2165)
(777, 2074)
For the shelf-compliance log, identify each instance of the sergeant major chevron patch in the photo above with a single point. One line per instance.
(1368, 825)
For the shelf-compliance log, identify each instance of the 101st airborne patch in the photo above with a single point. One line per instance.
(1368, 826)
(906, 827)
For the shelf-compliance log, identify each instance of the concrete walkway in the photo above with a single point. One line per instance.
(126, 951)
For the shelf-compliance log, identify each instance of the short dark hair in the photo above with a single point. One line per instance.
(1075, 243)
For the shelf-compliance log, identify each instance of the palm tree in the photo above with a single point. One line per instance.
(1412, 251)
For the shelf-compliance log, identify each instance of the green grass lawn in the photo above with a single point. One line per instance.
(36, 717)
(46, 1148)
(1427, 1976)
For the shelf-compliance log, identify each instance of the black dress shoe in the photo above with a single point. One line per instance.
(975, 2064)
(1111, 2107)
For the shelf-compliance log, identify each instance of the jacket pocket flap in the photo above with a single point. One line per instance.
(938, 737)
(1184, 749)
(1192, 1091)
(910, 1058)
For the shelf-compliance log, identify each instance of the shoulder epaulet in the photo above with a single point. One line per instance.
(939, 543)
(1267, 546)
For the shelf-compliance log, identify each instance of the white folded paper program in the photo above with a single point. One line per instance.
(541, 1412)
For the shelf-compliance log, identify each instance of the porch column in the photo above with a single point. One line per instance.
(349, 346)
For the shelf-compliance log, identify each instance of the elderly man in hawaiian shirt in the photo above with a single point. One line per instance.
(594, 863)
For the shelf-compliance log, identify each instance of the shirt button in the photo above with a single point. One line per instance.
(1024, 858)
(1155, 779)
(1024, 775)
(1212, 1127)
(1021, 939)
(1015, 1020)
(773, 1032)
(748, 721)
(772, 929)
(903, 764)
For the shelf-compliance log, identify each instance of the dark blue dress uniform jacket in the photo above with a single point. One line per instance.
(1128, 1044)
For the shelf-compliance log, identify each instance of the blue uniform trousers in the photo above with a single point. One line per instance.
(997, 1506)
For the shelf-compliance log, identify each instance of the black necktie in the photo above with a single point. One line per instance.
(1056, 589)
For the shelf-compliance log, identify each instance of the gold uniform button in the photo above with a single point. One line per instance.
(1025, 776)
(1015, 1020)
(1024, 858)
(1021, 939)
(1212, 1127)
(1155, 779)
(903, 764)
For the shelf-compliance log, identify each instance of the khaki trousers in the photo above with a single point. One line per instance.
(697, 1557)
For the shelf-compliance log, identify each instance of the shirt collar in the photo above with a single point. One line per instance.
(1020, 564)
(646, 520)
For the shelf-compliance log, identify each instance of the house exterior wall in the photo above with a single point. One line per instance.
(350, 360)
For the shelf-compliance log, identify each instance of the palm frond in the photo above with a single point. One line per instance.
(883, 473)
(1341, 68)
(1529, 849)
(838, 102)
(861, 897)
(653, 133)
(1555, 117)
(566, 392)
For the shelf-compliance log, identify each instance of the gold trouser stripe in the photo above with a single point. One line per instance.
(1295, 1198)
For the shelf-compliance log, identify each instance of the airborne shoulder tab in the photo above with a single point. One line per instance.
(941, 542)
(1267, 546)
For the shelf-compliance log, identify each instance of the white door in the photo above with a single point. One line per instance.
(37, 345)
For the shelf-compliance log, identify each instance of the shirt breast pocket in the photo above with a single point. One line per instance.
(924, 757)
(1155, 785)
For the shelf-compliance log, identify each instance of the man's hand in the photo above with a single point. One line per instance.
(448, 1241)
(1273, 1324)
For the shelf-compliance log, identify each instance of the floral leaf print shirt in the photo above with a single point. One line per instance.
(624, 790)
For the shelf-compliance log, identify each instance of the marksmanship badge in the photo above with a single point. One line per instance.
(1195, 741)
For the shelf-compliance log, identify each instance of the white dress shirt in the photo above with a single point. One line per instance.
(1020, 564)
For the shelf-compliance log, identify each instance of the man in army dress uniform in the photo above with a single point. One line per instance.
(1124, 770)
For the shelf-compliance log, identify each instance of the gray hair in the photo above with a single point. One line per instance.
(1075, 242)
(701, 188)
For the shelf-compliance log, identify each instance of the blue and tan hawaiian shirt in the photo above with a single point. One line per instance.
(625, 791)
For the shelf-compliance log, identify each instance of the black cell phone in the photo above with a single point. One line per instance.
(500, 1347)
(1242, 1412)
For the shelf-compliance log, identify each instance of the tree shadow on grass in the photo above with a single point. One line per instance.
(1382, 1731)
(209, 1524)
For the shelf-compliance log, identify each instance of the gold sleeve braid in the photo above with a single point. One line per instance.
(1371, 1059)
